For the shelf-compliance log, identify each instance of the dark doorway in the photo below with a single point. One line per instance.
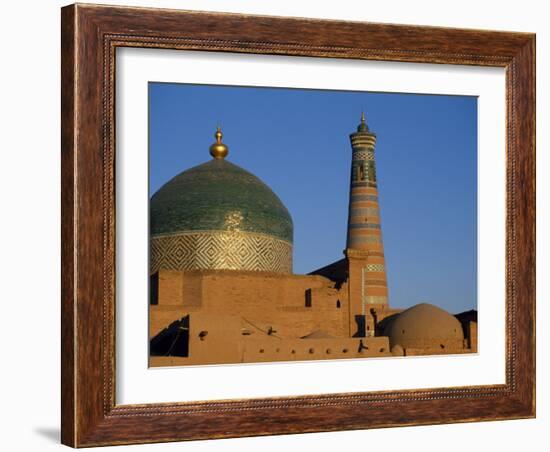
(154, 288)
(361, 321)
(308, 298)
(172, 340)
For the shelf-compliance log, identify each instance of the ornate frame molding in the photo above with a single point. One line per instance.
(90, 36)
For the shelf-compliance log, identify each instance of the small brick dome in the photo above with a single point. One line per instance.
(424, 325)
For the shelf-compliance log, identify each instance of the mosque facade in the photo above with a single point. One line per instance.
(222, 288)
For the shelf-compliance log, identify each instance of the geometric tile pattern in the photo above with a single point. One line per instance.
(220, 250)
(375, 267)
(363, 155)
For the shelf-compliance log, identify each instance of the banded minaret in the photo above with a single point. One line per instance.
(365, 252)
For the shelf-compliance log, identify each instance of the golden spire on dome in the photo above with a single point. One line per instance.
(219, 150)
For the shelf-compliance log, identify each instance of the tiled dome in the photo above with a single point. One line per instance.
(219, 196)
(219, 216)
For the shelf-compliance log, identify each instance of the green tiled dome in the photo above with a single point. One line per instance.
(218, 196)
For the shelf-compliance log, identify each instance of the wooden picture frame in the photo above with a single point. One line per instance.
(90, 36)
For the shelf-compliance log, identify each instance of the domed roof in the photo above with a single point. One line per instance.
(217, 216)
(219, 196)
(423, 322)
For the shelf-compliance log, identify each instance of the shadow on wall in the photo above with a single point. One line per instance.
(172, 340)
(154, 289)
(361, 323)
(381, 326)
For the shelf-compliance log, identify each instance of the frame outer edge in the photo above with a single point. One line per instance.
(533, 120)
(525, 62)
(68, 242)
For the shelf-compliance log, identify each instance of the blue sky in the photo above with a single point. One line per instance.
(297, 142)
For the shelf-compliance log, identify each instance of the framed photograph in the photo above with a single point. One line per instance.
(282, 225)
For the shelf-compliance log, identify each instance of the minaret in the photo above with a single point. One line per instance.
(367, 273)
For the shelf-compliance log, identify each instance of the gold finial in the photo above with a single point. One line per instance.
(219, 150)
(363, 117)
